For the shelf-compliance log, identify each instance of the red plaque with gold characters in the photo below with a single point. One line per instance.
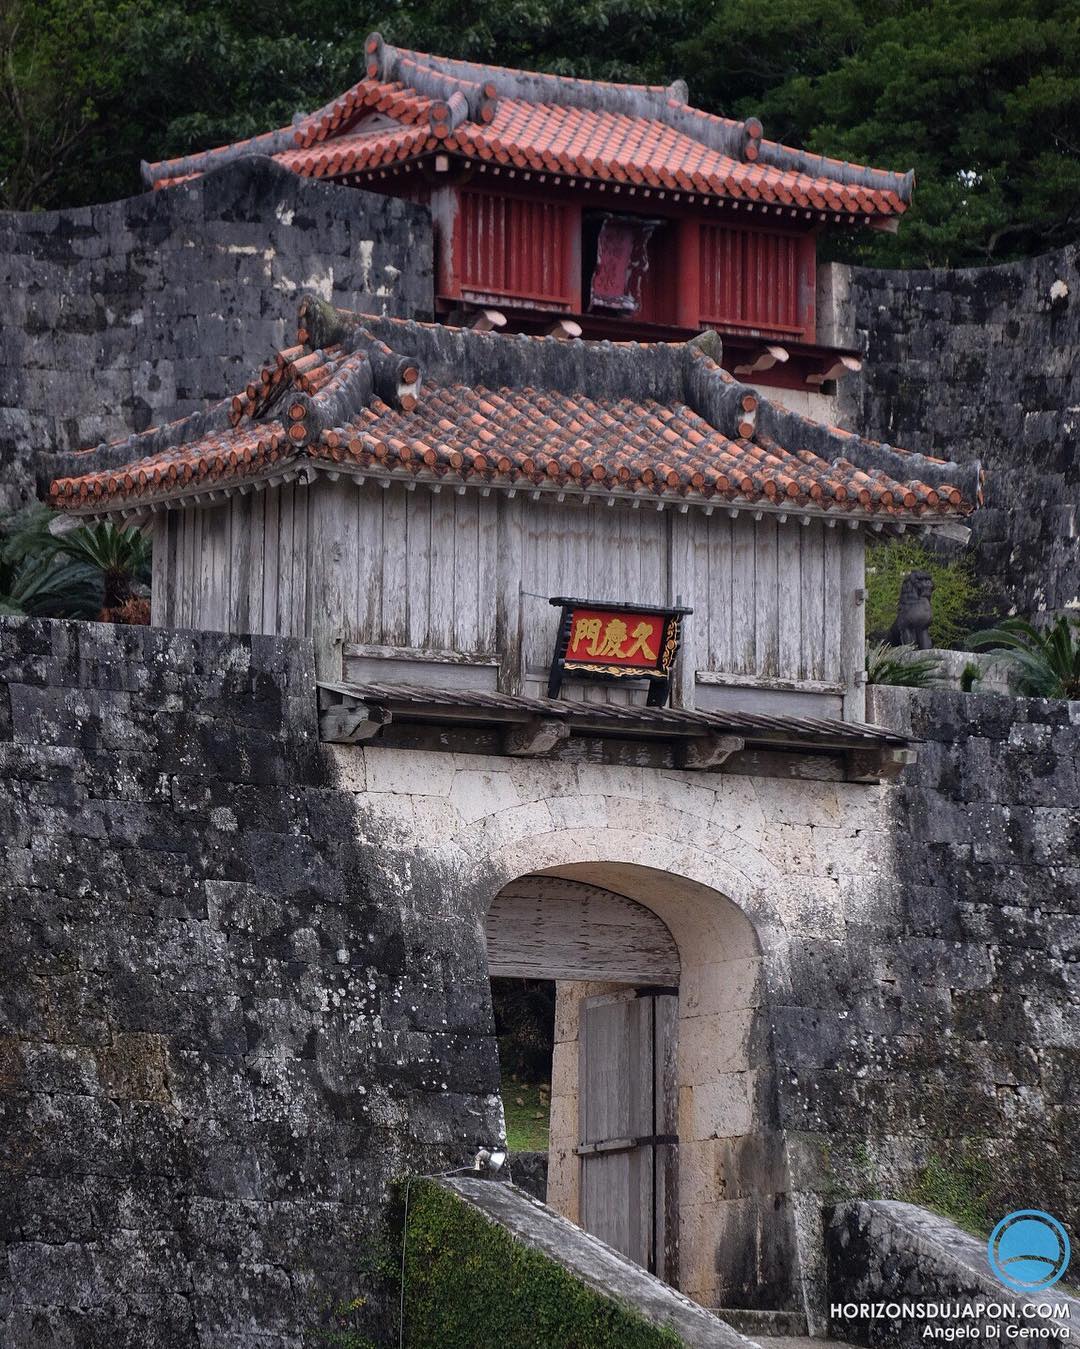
(616, 641)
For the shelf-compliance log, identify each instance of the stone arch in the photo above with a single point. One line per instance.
(736, 1230)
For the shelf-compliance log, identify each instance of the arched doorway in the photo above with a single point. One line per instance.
(657, 977)
(612, 1157)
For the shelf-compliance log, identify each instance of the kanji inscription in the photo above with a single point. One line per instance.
(616, 641)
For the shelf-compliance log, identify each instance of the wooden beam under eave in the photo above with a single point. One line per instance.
(352, 723)
(711, 751)
(539, 735)
(877, 765)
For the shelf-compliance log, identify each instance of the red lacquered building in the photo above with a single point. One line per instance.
(576, 206)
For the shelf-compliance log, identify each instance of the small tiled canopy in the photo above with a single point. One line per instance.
(659, 424)
(411, 106)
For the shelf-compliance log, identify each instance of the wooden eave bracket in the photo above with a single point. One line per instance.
(344, 720)
(537, 736)
(710, 751)
(771, 354)
(836, 369)
(880, 764)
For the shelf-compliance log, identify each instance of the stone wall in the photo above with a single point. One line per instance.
(895, 1254)
(244, 981)
(120, 316)
(971, 998)
(981, 363)
(224, 1029)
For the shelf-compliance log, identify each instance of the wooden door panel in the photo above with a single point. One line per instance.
(627, 1101)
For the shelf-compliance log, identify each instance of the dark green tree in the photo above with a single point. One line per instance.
(980, 97)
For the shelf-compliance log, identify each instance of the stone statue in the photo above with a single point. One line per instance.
(914, 612)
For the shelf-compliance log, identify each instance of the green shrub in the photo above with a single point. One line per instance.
(958, 594)
(900, 665)
(470, 1285)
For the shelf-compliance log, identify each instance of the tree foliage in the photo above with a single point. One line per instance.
(958, 598)
(980, 97)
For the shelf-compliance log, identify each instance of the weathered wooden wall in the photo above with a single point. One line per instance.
(421, 583)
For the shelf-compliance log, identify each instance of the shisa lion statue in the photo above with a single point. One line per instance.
(914, 612)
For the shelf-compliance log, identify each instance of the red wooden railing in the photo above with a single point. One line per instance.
(515, 247)
(755, 278)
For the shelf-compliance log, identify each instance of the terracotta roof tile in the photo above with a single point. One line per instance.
(612, 133)
(575, 417)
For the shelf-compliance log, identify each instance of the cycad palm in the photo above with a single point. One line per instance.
(87, 573)
(1041, 664)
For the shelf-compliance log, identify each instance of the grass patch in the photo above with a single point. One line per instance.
(470, 1285)
(957, 1189)
(528, 1114)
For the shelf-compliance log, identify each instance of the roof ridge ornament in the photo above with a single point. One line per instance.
(456, 99)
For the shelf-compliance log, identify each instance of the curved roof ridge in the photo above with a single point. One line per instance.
(661, 420)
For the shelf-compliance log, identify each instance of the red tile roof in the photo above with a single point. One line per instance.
(411, 104)
(391, 398)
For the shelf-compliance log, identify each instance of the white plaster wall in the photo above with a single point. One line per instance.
(797, 858)
(812, 403)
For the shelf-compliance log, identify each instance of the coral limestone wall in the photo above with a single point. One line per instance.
(221, 1033)
(983, 363)
(123, 315)
(244, 981)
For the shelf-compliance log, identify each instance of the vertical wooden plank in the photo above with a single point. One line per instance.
(218, 521)
(272, 542)
(789, 573)
(194, 546)
(541, 578)
(719, 649)
(239, 509)
(808, 287)
(688, 303)
(571, 259)
(832, 600)
(743, 595)
(393, 624)
(685, 533)
(286, 552)
(370, 562)
(813, 600)
(465, 613)
(603, 576)
(441, 592)
(302, 571)
(186, 555)
(666, 1116)
(653, 535)
(256, 509)
(418, 544)
(768, 597)
(511, 552)
(487, 551)
(853, 624)
(175, 564)
(331, 508)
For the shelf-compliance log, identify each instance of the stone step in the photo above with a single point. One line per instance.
(755, 1323)
(798, 1342)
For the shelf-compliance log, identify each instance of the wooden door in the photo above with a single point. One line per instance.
(627, 1106)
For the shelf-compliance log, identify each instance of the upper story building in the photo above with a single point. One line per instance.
(577, 207)
(414, 497)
